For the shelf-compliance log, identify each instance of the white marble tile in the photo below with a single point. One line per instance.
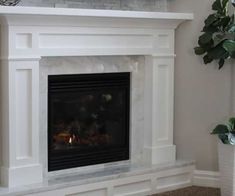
(80, 65)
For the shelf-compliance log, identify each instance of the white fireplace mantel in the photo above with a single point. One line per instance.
(27, 34)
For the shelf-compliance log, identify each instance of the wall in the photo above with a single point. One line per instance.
(147, 5)
(202, 93)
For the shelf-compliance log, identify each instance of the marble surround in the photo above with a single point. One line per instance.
(101, 64)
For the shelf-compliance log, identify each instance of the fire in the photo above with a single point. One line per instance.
(70, 140)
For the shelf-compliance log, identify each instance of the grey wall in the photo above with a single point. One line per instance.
(147, 5)
(202, 93)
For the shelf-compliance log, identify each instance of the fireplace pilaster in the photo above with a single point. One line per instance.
(159, 98)
(20, 123)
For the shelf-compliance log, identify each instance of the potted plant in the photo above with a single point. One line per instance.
(217, 41)
(226, 150)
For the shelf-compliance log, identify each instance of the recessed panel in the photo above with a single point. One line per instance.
(133, 188)
(173, 180)
(95, 41)
(24, 41)
(23, 98)
(101, 192)
(163, 102)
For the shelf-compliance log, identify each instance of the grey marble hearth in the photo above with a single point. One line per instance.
(101, 175)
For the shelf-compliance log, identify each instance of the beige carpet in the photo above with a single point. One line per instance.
(193, 191)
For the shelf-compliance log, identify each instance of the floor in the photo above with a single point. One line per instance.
(193, 191)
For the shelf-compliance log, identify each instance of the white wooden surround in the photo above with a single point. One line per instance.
(27, 34)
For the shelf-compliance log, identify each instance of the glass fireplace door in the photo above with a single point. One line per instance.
(88, 119)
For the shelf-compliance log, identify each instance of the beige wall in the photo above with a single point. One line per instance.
(202, 93)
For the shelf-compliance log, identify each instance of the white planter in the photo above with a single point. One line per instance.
(227, 169)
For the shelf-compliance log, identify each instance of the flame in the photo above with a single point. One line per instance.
(70, 140)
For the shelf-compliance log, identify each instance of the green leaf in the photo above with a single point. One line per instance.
(210, 19)
(231, 29)
(222, 22)
(210, 29)
(217, 6)
(218, 38)
(232, 124)
(207, 46)
(205, 38)
(229, 46)
(225, 21)
(221, 63)
(225, 3)
(224, 138)
(232, 55)
(220, 129)
(232, 120)
(207, 59)
(199, 50)
(217, 52)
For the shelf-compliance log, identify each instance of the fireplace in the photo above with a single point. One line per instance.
(88, 119)
(30, 34)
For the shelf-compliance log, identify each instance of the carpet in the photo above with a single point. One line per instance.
(193, 191)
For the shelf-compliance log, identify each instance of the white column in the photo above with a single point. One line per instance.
(20, 119)
(159, 98)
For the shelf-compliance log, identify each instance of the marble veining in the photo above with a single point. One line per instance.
(101, 64)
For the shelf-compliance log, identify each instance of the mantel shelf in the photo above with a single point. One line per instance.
(93, 13)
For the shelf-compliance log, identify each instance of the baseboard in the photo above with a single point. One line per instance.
(206, 178)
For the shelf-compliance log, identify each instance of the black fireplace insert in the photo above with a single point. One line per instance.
(88, 119)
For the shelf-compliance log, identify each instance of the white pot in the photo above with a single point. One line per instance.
(227, 169)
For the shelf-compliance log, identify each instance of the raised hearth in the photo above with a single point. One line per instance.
(28, 34)
(122, 180)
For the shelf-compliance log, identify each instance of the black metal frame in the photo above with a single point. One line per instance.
(83, 82)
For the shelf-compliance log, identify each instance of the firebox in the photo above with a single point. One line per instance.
(88, 119)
